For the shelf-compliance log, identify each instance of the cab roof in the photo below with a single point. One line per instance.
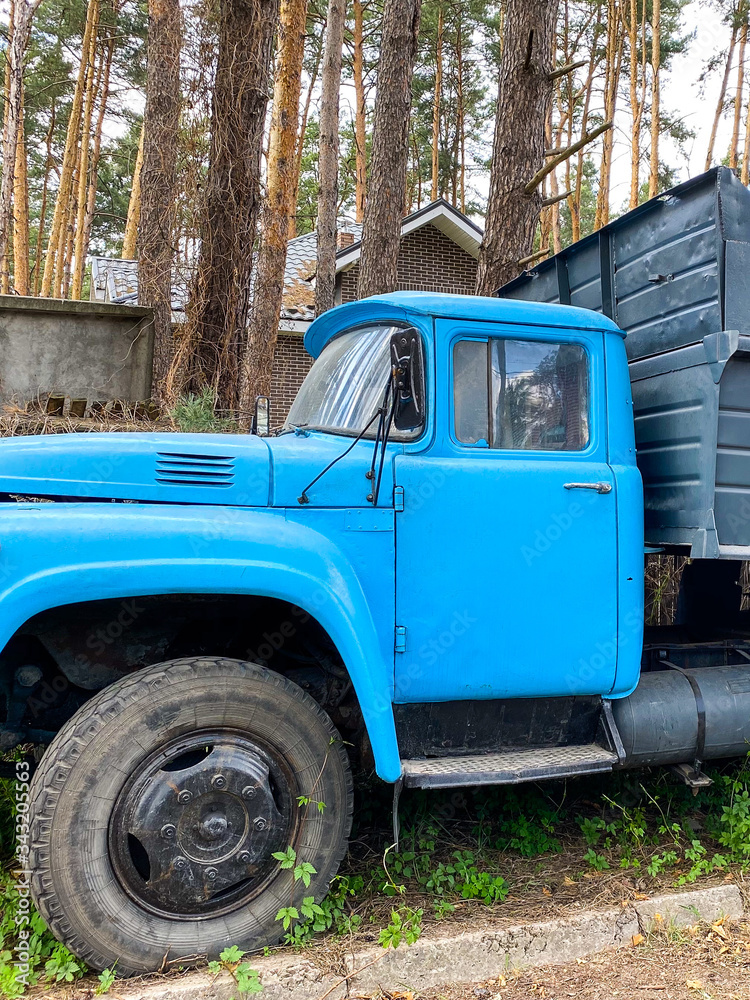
(403, 305)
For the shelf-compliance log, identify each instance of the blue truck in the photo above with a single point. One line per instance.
(435, 569)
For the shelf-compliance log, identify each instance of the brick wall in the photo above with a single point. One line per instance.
(290, 365)
(428, 261)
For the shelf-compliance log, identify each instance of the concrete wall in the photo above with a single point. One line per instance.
(88, 350)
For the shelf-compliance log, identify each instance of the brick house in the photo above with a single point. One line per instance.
(438, 253)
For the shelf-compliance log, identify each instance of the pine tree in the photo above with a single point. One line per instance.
(384, 208)
(278, 207)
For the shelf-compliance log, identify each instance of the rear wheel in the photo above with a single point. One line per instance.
(156, 811)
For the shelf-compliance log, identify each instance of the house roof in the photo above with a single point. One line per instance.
(440, 214)
(301, 260)
(114, 280)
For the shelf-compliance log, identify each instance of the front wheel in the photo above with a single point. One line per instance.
(157, 809)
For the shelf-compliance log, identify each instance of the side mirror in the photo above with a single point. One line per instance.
(408, 379)
(262, 416)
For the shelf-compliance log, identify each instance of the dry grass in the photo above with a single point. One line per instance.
(16, 422)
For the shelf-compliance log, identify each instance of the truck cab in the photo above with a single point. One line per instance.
(517, 526)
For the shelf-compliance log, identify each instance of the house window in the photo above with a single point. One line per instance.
(521, 395)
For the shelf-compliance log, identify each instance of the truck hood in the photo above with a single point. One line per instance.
(225, 469)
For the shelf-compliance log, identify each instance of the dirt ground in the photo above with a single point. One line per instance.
(701, 963)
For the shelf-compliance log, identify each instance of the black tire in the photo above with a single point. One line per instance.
(109, 772)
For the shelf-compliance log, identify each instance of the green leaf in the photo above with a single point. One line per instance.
(232, 955)
(248, 979)
(286, 915)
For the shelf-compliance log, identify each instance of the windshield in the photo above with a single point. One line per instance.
(346, 384)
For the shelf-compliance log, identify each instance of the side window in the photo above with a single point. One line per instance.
(471, 391)
(523, 395)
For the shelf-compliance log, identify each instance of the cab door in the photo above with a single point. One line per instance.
(506, 550)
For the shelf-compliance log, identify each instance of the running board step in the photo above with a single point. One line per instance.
(508, 768)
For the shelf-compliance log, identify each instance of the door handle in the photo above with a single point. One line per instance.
(599, 487)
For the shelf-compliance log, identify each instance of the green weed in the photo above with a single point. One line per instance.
(195, 413)
(245, 977)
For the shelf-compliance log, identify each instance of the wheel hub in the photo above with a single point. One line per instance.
(195, 827)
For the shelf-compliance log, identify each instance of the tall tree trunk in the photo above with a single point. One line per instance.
(5, 260)
(67, 235)
(575, 201)
(23, 13)
(48, 164)
(436, 106)
(88, 220)
(281, 192)
(653, 177)
(79, 256)
(745, 174)
(615, 41)
(158, 179)
(212, 348)
(461, 112)
(21, 214)
(381, 232)
(301, 132)
(134, 203)
(54, 262)
(523, 104)
(735, 141)
(722, 97)
(360, 114)
(328, 161)
(554, 190)
(636, 107)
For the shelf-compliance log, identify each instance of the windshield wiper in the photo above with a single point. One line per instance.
(303, 497)
(381, 439)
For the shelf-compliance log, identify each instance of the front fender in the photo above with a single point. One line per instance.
(55, 554)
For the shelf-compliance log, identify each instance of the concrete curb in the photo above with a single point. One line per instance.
(464, 957)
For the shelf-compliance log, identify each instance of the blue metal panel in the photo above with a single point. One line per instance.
(343, 578)
(629, 496)
(506, 581)
(408, 306)
(732, 498)
(158, 468)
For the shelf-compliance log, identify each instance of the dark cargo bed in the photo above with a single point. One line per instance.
(675, 274)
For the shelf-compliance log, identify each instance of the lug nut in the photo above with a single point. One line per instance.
(211, 874)
(248, 792)
(168, 831)
(260, 823)
(179, 864)
(184, 796)
(244, 857)
(219, 781)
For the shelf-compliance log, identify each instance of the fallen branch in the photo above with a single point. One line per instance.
(533, 257)
(554, 198)
(568, 68)
(563, 155)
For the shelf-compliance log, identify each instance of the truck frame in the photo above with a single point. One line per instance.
(435, 570)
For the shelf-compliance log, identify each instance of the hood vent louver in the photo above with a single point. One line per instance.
(175, 469)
